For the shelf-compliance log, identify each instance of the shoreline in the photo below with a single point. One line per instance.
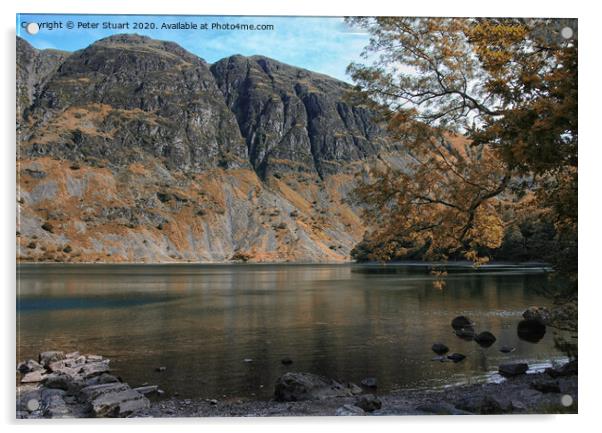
(513, 396)
(71, 385)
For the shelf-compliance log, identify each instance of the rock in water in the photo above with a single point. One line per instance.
(539, 314)
(510, 370)
(308, 386)
(286, 361)
(465, 333)
(440, 348)
(368, 403)
(507, 349)
(485, 339)
(461, 322)
(531, 330)
(369, 382)
(456, 357)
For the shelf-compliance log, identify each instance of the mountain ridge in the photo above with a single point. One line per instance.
(135, 150)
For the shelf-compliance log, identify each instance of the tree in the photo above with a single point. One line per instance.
(487, 112)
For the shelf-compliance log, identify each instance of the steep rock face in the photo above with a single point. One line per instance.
(126, 97)
(134, 150)
(294, 119)
(34, 67)
(145, 213)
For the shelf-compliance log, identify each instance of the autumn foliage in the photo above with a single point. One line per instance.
(486, 111)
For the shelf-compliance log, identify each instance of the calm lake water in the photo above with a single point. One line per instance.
(343, 321)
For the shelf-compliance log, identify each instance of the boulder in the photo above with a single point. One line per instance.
(515, 369)
(531, 330)
(461, 322)
(119, 404)
(539, 314)
(485, 339)
(440, 348)
(368, 403)
(46, 358)
(307, 386)
(456, 357)
(349, 410)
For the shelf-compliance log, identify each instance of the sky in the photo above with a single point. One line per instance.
(321, 44)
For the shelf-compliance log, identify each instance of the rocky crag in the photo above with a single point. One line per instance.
(135, 150)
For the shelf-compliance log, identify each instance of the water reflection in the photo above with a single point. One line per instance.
(344, 321)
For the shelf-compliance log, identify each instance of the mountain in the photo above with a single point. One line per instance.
(135, 150)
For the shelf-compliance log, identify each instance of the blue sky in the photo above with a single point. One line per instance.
(322, 44)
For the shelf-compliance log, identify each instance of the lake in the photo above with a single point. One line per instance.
(343, 321)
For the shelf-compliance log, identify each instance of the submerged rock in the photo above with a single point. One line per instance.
(485, 339)
(456, 357)
(507, 349)
(440, 348)
(286, 361)
(308, 386)
(465, 333)
(461, 322)
(369, 382)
